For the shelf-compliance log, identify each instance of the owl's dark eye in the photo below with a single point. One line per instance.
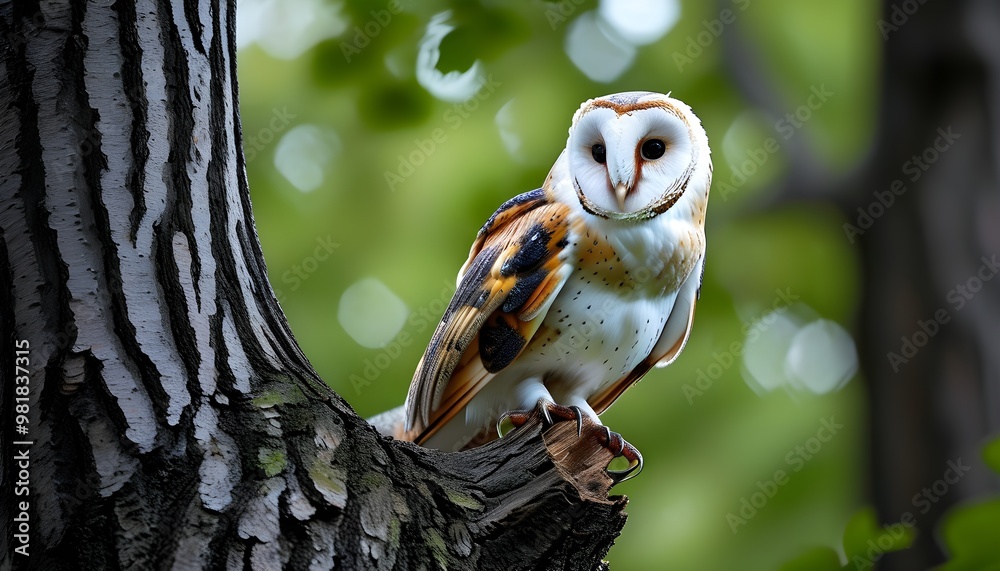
(653, 149)
(600, 154)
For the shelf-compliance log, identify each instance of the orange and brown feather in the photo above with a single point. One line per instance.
(515, 267)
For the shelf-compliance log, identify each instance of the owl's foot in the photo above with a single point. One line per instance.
(552, 413)
(622, 449)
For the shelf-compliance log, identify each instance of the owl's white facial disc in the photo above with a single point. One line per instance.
(631, 155)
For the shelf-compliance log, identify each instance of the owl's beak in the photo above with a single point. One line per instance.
(621, 191)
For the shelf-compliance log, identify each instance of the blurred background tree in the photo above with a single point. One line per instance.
(845, 347)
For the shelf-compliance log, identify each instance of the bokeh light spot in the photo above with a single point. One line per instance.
(371, 313)
(821, 358)
(303, 154)
(454, 86)
(285, 29)
(598, 54)
(640, 22)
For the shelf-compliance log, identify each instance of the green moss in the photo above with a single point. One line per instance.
(394, 530)
(371, 481)
(437, 546)
(329, 481)
(268, 399)
(287, 394)
(272, 461)
(463, 500)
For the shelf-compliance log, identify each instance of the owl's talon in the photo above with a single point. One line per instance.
(553, 413)
(516, 417)
(579, 420)
(550, 412)
(626, 451)
(545, 413)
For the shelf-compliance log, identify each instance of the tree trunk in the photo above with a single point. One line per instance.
(160, 413)
(940, 104)
(937, 400)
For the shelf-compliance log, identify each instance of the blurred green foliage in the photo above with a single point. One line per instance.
(707, 451)
(969, 532)
(864, 543)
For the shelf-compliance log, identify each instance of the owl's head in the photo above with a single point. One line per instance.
(633, 155)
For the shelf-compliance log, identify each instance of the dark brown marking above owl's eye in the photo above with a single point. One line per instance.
(653, 149)
(599, 152)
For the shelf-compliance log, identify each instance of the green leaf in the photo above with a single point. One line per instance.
(970, 534)
(866, 541)
(991, 455)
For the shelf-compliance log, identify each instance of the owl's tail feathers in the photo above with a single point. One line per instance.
(391, 423)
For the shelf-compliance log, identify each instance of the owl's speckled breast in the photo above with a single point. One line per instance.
(610, 314)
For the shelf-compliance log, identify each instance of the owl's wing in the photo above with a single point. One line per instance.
(515, 269)
(672, 340)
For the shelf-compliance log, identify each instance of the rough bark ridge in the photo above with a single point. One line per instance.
(175, 421)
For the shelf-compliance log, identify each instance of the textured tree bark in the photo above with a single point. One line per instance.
(173, 420)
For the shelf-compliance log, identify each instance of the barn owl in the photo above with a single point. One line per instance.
(574, 291)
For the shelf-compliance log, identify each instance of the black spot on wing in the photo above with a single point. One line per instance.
(483, 296)
(537, 195)
(522, 290)
(499, 344)
(533, 251)
(470, 291)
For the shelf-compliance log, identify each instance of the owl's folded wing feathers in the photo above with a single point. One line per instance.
(515, 269)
